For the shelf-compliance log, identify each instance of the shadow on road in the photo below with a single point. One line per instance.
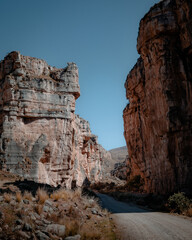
(115, 206)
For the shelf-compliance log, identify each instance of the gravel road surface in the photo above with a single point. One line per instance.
(135, 223)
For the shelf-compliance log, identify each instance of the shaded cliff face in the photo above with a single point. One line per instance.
(41, 137)
(158, 118)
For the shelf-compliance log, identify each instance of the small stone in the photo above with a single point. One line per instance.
(6, 227)
(32, 216)
(27, 227)
(39, 223)
(17, 228)
(56, 229)
(12, 203)
(26, 201)
(36, 215)
(94, 211)
(19, 222)
(24, 235)
(75, 237)
(41, 236)
(1, 215)
(46, 222)
(47, 209)
(91, 201)
(19, 72)
(49, 203)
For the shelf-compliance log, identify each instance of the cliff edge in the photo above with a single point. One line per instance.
(41, 138)
(158, 118)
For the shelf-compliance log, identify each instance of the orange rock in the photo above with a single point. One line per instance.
(158, 118)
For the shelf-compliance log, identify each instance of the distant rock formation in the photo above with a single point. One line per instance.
(113, 157)
(41, 138)
(120, 170)
(118, 163)
(158, 118)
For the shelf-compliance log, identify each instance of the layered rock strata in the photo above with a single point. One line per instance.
(41, 138)
(158, 118)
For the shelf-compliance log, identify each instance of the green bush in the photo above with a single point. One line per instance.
(178, 202)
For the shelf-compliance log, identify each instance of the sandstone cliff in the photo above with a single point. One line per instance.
(41, 138)
(158, 118)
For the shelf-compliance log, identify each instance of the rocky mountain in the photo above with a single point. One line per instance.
(119, 162)
(41, 138)
(118, 154)
(158, 118)
(113, 157)
(31, 210)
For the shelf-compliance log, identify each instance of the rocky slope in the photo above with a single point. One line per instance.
(119, 159)
(53, 213)
(158, 118)
(114, 156)
(41, 138)
(118, 154)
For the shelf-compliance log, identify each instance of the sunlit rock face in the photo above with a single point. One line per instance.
(41, 137)
(158, 118)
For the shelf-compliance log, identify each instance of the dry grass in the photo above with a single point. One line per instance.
(28, 196)
(18, 197)
(105, 212)
(72, 228)
(60, 194)
(66, 195)
(77, 193)
(42, 195)
(7, 197)
(63, 194)
(53, 217)
(9, 217)
(91, 203)
(38, 208)
(90, 231)
(189, 212)
(90, 235)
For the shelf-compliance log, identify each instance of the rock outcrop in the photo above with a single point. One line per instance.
(120, 170)
(158, 118)
(41, 138)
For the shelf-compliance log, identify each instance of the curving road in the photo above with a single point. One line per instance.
(134, 223)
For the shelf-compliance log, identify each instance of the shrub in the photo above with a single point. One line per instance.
(189, 211)
(9, 216)
(28, 196)
(7, 197)
(60, 194)
(18, 196)
(178, 202)
(42, 195)
(38, 208)
(72, 228)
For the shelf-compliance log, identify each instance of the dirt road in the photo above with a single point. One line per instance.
(134, 223)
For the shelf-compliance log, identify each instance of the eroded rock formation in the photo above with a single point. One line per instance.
(120, 169)
(158, 118)
(41, 138)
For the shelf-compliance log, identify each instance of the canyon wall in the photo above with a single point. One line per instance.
(41, 138)
(158, 118)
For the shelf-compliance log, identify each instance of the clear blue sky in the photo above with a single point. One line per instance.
(99, 35)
